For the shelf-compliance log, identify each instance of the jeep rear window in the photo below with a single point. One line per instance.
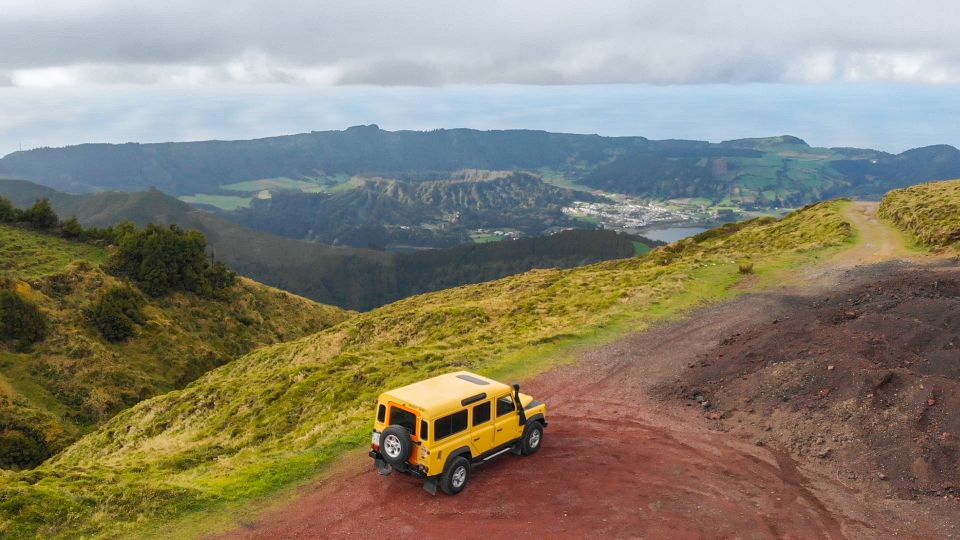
(505, 405)
(481, 413)
(423, 430)
(450, 424)
(400, 417)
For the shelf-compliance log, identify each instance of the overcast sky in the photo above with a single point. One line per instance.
(117, 70)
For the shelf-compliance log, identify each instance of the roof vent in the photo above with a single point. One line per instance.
(471, 378)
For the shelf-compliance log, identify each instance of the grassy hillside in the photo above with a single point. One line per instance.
(27, 255)
(930, 212)
(277, 414)
(74, 379)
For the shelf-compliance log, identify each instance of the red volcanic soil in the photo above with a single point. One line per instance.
(629, 454)
(868, 378)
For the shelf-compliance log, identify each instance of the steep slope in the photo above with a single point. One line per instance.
(275, 415)
(441, 212)
(930, 212)
(75, 378)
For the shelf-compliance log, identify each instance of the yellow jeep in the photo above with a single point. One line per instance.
(439, 428)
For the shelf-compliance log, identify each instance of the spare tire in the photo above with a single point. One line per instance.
(395, 445)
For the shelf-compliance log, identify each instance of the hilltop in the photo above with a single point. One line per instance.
(76, 376)
(277, 414)
(765, 172)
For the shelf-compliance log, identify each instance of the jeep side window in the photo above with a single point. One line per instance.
(450, 424)
(505, 405)
(381, 413)
(481, 413)
(401, 417)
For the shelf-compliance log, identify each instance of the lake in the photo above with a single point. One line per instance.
(671, 234)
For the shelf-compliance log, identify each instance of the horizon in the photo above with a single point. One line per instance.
(103, 71)
(881, 117)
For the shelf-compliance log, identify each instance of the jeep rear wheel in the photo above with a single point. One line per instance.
(532, 437)
(395, 445)
(456, 476)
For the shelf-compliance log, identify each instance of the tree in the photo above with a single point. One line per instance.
(164, 259)
(41, 215)
(20, 320)
(7, 211)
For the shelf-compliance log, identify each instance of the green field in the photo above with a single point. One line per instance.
(223, 202)
(252, 186)
(485, 238)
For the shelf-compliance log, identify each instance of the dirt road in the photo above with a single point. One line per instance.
(621, 463)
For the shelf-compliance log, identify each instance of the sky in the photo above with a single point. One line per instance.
(880, 73)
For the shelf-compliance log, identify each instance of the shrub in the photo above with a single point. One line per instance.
(117, 313)
(220, 276)
(20, 450)
(746, 267)
(20, 320)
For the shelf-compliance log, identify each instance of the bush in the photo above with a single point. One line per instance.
(220, 276)
(20, 450)
(20, 320)
(746, 267)
(117, 313)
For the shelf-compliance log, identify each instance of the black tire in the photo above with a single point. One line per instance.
(395, 445)
(532, 438)
(455, 476)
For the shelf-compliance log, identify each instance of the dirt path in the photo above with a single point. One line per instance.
(620, 463)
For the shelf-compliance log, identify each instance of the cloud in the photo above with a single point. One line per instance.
(444, 42)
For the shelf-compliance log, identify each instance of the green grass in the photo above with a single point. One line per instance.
(556, 178)
(929, 212)
(277, 416)
(26, 254)
(639, 248)
(282, 182)
(223, 202)
(485, 238)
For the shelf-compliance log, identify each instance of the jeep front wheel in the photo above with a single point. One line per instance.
(456, 475)
(395, 445)
(532, 437)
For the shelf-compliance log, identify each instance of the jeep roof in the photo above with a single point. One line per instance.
(439, 395)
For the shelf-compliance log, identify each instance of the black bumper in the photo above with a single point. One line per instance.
(403, 467)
